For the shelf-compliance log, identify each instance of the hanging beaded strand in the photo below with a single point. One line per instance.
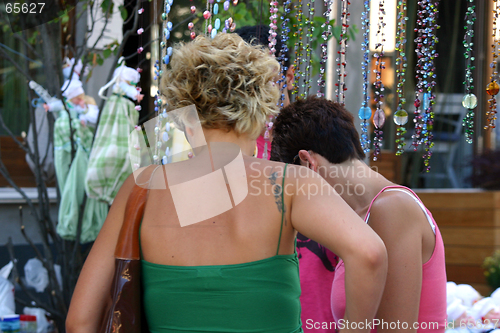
(493, 87)
(401, 116)
(299, 29)
(273, 20)
(308, 50)
(430, 81)
(138, 128)
(140, 31)
(282, 57)
(365, 112)
(470, 100)
(229, 24)
(378, 86)
(273, 27)
(165, 54)
(426, 41)
(341, 53)
(327, 32)
(192, 34)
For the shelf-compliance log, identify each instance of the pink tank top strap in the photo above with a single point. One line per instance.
(379, 193)
(427, 212)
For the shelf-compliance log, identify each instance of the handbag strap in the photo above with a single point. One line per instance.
(128, 240)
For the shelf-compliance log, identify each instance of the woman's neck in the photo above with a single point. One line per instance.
(356, 182)
(212, 136)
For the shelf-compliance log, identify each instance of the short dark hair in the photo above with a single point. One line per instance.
(316, 124)
(259, 34)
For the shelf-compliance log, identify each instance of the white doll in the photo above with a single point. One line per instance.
(467, 294)
(84, 106)
(77, 69)
(126, 82)
(458, 316)
(486, 310)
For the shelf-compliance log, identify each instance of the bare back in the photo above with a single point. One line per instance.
(248, 232)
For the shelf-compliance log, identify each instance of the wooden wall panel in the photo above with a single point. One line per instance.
(14, 159)
(469, 221)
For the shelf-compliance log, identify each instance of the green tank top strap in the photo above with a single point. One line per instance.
(282, 207)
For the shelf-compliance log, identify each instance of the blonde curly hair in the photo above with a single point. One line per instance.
(230, 82)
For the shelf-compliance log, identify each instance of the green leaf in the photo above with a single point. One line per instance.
(106, 53)
(123, 12)
(65, 18)
(100, 60)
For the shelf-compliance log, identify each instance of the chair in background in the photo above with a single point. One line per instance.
(447, 132)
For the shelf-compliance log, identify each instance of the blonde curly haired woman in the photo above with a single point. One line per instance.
(236, 271)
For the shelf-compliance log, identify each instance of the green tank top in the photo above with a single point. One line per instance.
(258, 296)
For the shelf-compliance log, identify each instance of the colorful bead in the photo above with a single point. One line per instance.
(364, 113)
(190, 25)
(469, 101)
(226, 5)
(206, 15)
(193, 9)
(400, 117)
(492, 88)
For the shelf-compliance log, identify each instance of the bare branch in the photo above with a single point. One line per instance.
(17, 279)
(26, 237)
(13, 62)
(25, 42)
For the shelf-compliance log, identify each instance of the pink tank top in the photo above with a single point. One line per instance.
(432, 308)
(261, 143)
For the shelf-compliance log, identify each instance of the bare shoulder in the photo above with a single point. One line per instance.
(396, 211)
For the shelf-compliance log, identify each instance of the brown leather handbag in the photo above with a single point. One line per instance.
(124, 313)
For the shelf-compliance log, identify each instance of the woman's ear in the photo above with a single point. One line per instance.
(290, 77)
(307, 160)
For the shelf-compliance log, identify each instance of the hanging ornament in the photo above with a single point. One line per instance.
(341, 53)
(273, 19)
(401, 116)
(492, 88)
(327, 32)
(282, 56)
(308, 50)
(425, 49)
(378, 86)
(298, 46)
(470, 100)
(365, 113)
